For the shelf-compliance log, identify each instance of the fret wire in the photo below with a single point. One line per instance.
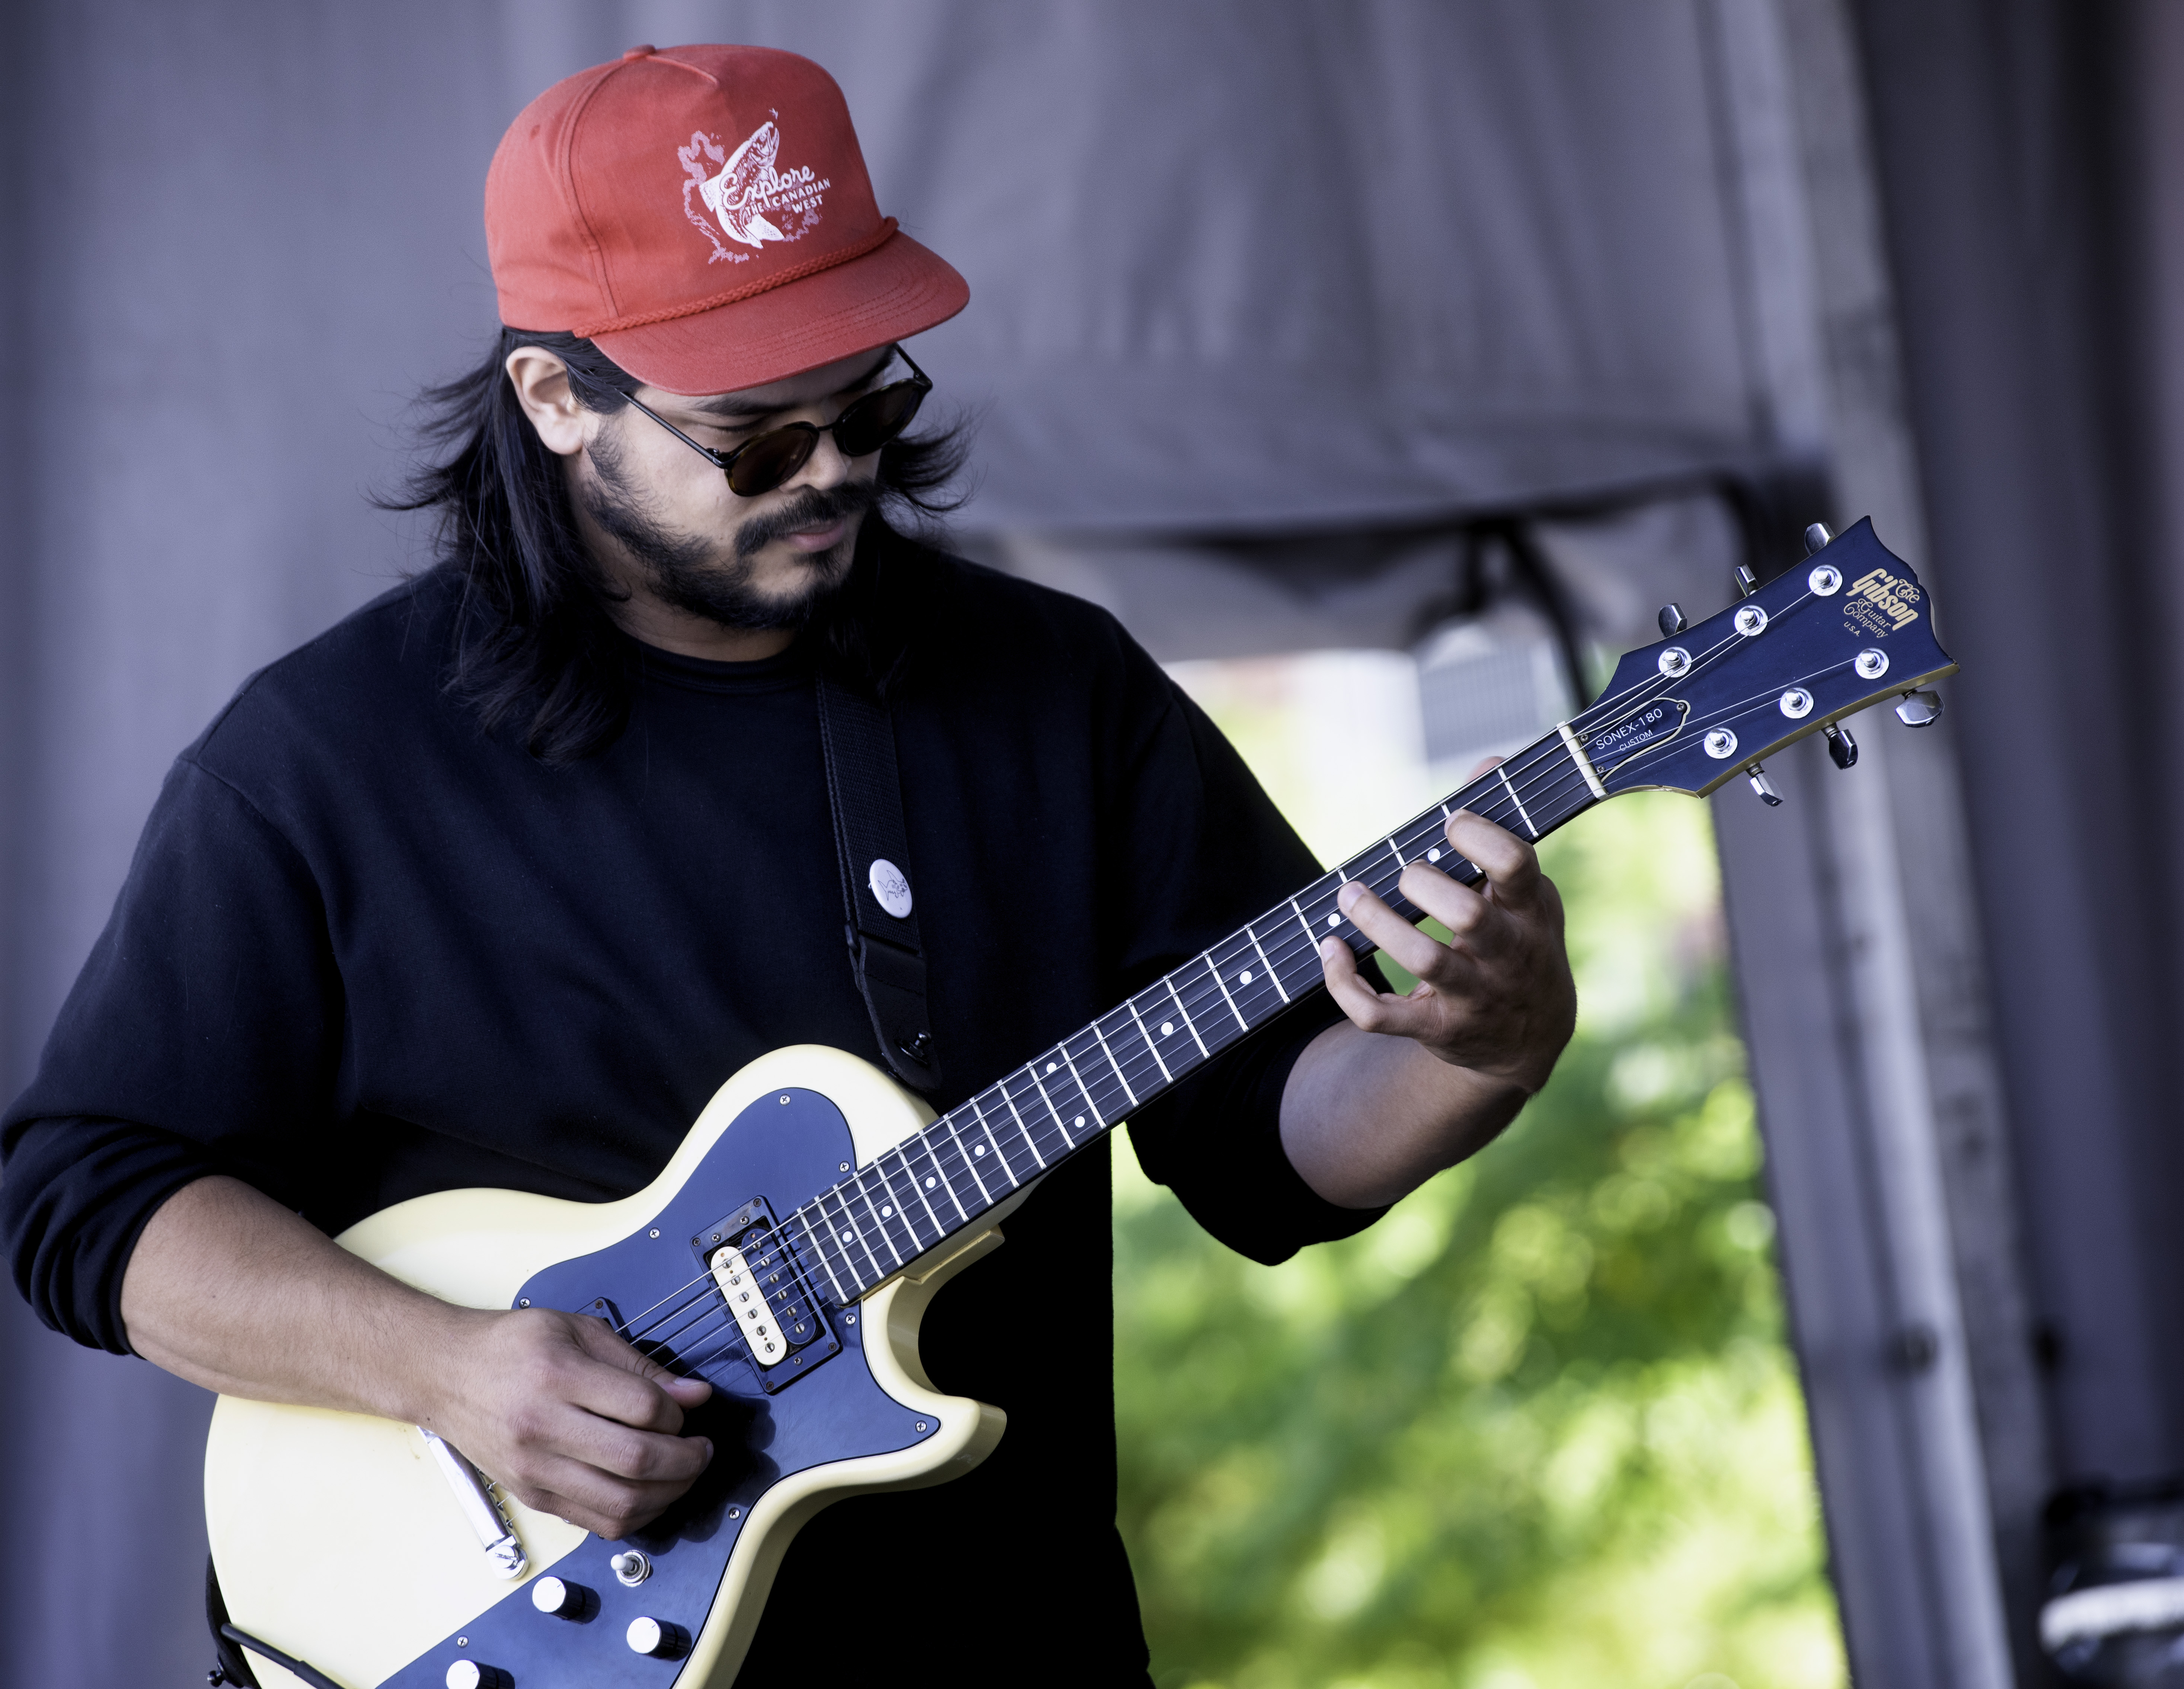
(909, 1216)
(851, 1230)
(1213, 968)
(1083, 1101)
(876, 1167)
(1004, 1089)
(1131, 1004)
(940, 1172)
(873, 1213)
(1039, 1084)
(887, 1231)
(994, 1144)
(840, 1294)
(970, 1161)
(1273, 973)
(1118, 1103)
(1083, 1090)
(1121, 1077)
(841, 1249)
(1188, 1024)
(940, 1228)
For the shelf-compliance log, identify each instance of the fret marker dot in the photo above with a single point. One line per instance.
(977, 1149)
(1049, 1066)
(1080, 1120)
(1167, 1029)
(1334, 920)
(1245, 977)
(847, 1235)
(887, 1213)
(1433, 855)
(930, 1183)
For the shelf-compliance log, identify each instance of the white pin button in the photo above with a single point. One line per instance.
(890, 889)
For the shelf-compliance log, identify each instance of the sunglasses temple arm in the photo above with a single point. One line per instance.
(706, 452)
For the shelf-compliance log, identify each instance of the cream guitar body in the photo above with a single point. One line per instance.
(344, 1542)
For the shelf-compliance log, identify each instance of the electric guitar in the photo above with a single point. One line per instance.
(787, 1251)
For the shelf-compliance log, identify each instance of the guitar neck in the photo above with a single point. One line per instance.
(855, 1236)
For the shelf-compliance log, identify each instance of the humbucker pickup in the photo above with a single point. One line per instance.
(783, 1329)
(755, 1315)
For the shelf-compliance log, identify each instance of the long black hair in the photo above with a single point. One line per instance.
(535, 648)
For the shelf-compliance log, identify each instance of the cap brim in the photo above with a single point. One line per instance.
(896, 290)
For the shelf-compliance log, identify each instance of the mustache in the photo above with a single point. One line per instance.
(810, 507)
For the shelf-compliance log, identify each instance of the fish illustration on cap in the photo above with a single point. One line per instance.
(735, 195)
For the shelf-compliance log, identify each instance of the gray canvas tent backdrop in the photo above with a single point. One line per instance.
(1255, 283)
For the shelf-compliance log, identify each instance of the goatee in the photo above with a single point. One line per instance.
(685, 571)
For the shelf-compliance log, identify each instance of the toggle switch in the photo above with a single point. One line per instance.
(1764, 787)
(1842, 749)
(631, 1568)
(1671, 620)
(656, 1639)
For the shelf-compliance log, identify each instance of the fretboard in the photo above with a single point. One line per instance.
(852, 1237)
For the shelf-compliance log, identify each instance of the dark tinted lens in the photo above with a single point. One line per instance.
(766, 462)
(877, 418)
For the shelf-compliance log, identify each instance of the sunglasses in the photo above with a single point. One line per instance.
(765, 461)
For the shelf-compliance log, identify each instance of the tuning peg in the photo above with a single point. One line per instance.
(1746, 582)
(1919, 709)
(1817, 538)
(1764, 787)
(1842, 749)
(1671, 620)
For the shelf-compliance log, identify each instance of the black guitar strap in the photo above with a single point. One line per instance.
(872, 849)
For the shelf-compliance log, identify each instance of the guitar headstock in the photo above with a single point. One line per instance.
(1849, 627)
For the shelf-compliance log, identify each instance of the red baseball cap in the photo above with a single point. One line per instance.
(703, 215)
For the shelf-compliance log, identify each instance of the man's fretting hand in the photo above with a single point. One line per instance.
(1410, 1084)
(570, 1419)
(1498, 998)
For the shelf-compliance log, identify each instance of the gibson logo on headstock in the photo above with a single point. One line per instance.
(1879, 603)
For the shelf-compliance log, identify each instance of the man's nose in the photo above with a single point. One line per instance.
(826, 467)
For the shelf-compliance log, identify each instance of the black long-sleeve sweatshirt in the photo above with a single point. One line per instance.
(367, 951)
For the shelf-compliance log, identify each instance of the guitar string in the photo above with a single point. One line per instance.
(1201, 999)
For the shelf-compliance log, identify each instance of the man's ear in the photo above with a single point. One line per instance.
(542, 386)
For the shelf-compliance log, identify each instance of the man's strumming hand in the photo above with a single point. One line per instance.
(568, 1416)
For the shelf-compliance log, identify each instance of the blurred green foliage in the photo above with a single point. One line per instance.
(1539, 1426)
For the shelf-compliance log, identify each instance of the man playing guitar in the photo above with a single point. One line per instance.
(493, 884)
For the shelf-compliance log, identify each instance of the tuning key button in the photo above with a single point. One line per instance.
(1919, 709)
(1764, 787)
(656, 1639)
(468, 1674)
(1871, 663)
(1817, 538)
(1842, 747)
(1671, 620)
(564, 1600)
(1746, 582)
